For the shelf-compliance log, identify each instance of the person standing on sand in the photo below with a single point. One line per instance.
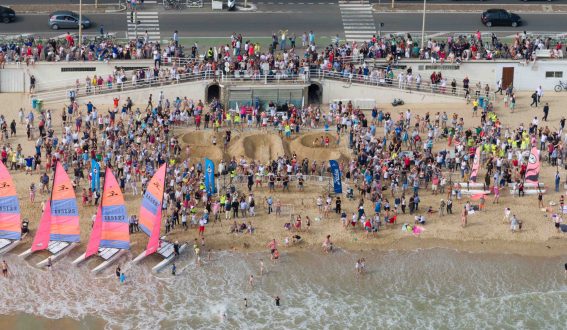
(4, 268)
(464, 214)
(251, 281)
(449, 206)
(496, 194)
(118, 271)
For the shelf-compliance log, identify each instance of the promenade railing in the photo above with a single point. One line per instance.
(280, 77)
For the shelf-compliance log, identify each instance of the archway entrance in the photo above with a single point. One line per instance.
(213, 92)
(314, 94)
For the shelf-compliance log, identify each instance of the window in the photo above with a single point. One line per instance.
(554, 74)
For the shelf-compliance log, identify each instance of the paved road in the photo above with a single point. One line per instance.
(324, 21)
(456, 2)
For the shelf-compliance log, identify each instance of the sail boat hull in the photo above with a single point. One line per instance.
(10, 246)
(26, 253)
(157, 268)
(60, 254)
(109, 261)
(140, 257)
(80, 259)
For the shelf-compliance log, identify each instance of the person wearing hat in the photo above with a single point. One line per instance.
(176, 248)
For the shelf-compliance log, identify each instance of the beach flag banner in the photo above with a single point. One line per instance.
(210, 176)
(64, 210)
(150, 210)
(476, 165)
(115, 226)
(10, 215)
(532, 170)
(95, 175)
(41, 239)
(337, 183)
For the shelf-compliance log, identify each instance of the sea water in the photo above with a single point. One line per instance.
(424, 289)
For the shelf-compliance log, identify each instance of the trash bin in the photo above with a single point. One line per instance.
(34, 103)
(39, 105)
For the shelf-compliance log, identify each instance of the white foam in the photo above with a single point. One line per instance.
(427, 289)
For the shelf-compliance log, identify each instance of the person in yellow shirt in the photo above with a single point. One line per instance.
(236, 121)
(228, 120)
(475, 107)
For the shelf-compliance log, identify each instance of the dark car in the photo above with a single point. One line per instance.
(494, 17)
(67, 20)
(7, 15)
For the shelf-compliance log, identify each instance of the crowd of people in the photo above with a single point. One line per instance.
(393, 159)
(283, 53)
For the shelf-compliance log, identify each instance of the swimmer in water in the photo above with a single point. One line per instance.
(251, 281)
(5, 268)
(277, 300)
(261, 267)
(245, 302)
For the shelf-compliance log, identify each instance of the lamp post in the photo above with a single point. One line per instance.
(80, 23)
(423, 26)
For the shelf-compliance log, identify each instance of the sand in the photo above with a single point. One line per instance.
(485, 232)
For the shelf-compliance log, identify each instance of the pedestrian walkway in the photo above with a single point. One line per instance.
(146, 21)
(358, 20)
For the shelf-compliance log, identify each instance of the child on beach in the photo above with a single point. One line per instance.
(32, 192)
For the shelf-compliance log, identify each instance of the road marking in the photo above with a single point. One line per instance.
(147, 21)
(358, 20)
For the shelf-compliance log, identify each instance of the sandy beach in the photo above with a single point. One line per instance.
(485, 233)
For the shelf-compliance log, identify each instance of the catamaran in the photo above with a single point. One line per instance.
(10, 216)
(150, 222)
(58, 230)
(110, 237)
(532, 186)
(466, 186)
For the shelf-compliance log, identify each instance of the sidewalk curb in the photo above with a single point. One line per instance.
(252, 7)
(121, 9)
(468, 8)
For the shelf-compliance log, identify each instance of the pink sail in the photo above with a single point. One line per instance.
(532, 170)
(153, 243)
(150, 210)
(476, 165)
(10, 216)
(110, 229)
(96, 234)
(41, 239)
(64, 210)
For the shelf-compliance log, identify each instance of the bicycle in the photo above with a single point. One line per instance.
(560, 86)
(172, 4)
